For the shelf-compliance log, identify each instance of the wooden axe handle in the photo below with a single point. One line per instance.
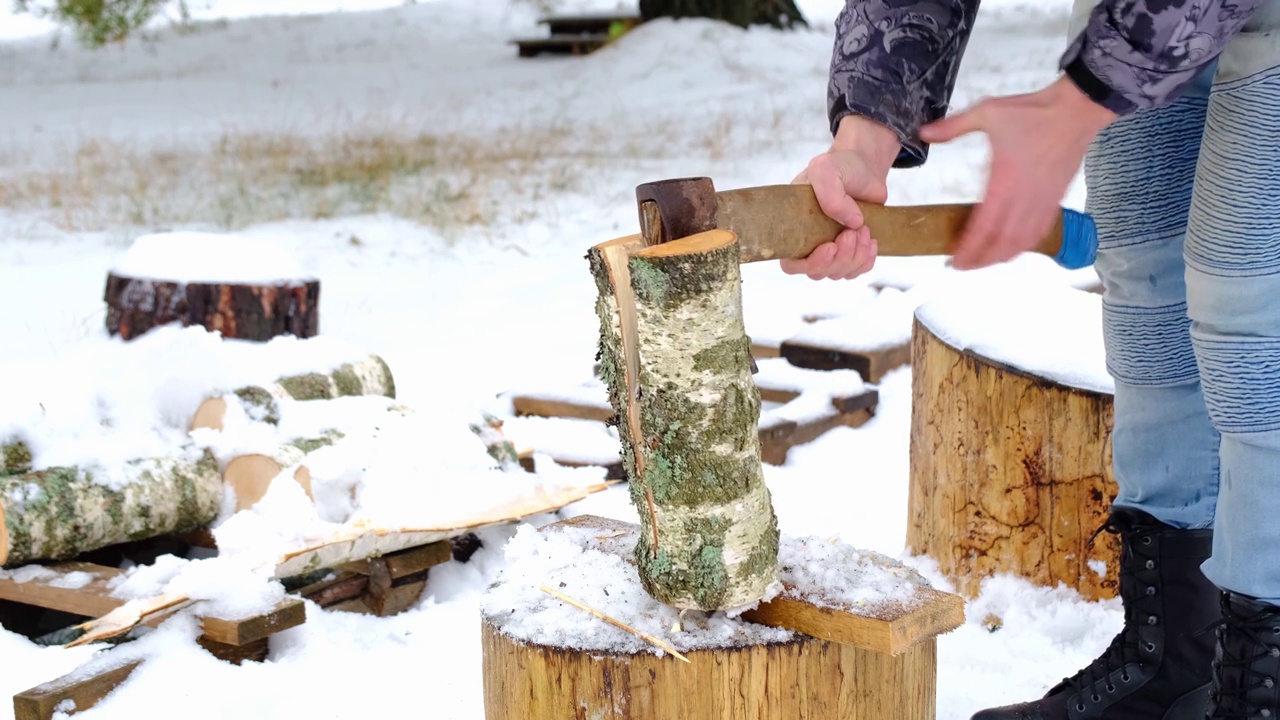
(785, 221)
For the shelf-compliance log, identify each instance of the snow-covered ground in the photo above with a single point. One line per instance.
(465, 309)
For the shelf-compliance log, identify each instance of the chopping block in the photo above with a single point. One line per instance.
(813, 650)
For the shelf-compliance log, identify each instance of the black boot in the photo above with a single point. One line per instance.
(1159, 666)
(1246, 666)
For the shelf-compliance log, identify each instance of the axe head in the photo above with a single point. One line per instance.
(676, 208)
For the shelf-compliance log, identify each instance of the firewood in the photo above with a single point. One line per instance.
(371, 376)
(676, 359)
(251, 475)
(60, 512)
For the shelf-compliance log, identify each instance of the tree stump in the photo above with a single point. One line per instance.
(1011, 441)
(545, 657)
(232, 285)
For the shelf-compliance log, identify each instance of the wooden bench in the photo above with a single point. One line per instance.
(576, 34)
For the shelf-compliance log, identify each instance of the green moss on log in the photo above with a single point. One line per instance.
(311, 386)
(61, 512)
(16, 458)
(668, 281)
(309, 445)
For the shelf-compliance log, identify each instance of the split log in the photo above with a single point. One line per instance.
(236, 310)
(370, 376)
(15, 458)
(676, 358)
(58, 513)
(1010, 470)
(251, 475)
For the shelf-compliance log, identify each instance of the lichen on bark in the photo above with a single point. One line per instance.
(16, 458)
(60, 512)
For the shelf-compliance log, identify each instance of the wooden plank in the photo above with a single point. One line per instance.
(939, 613)
(893, 632)
(255, 651)
(777, 438)
(407, 562)
(394, 601)
(546, 406)
(872, 365)
(89, 600)
(94, 599)
(42, 701)
(566, 44)
(289, 613)
(87, 690)
(327, 593)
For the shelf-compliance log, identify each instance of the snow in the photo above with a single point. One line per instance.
(1058, 331)
(203, 257)
(467, 310)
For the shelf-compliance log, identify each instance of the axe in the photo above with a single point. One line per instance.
(785, 221)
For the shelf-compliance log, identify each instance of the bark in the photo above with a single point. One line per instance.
(775, 13)
(371, 376)
(245, 312)
(1010, 473)
(61, 512)
(675, 356)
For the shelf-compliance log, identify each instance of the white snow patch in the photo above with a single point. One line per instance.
(201, 257)
(1051, 332)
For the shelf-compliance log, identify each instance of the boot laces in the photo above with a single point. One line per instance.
(1125, 647)
(1235, 676)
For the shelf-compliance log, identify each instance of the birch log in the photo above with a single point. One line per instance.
(58, 513)
(676, 359)
(252, 475)
(370, 376)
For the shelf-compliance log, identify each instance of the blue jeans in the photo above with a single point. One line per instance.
(1187, 202)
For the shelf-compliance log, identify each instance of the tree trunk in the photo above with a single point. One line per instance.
(245, 312)
(371, 376)
(743, 13)
(1010, 473)
(799, 678)
(61, 512)
(675, 356)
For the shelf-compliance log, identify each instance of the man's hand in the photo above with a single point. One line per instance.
(1038, 141)
(853, 169)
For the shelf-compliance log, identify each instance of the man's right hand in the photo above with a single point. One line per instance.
(855, 168)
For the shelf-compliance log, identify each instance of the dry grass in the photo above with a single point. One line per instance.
(449, 182)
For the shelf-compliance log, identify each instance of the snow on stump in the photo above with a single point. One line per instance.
(1010, 440)
(867, 648)
(240, 287)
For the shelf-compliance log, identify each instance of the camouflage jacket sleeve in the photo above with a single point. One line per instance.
(1139, 54)
(895, 61)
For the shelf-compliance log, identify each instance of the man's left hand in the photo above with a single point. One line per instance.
(1038, 141)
